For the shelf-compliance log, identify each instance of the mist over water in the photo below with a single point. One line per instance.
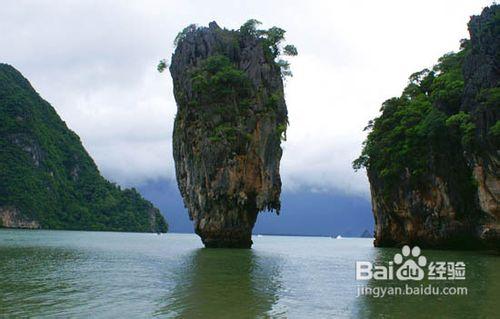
(110, 275)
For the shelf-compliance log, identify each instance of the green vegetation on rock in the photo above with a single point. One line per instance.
(421, 129)
(227, 90)
(272, 39)
(218, 82)
(46, 174)
(432, 155)
(495, 130)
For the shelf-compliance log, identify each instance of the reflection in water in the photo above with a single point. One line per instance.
(482, 282)
(225, 283)
(124, 275)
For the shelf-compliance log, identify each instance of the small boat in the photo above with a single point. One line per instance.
(339, 237)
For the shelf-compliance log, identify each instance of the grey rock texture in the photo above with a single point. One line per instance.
(226, 146)
(481, 72)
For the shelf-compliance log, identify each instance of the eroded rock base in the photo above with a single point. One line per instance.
(229, 229)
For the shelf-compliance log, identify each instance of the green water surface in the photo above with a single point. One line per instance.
(127, 275)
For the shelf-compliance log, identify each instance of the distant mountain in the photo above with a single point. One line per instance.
(48, 180)
(317, 214)
(366, 234)
(302, 213)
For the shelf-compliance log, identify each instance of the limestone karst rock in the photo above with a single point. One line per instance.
(481, 71)
(230, 120)
(432, 157)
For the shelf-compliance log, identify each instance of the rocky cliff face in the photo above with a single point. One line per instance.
(481, 74)
(230, 120)
(12, 218)
(432, 157)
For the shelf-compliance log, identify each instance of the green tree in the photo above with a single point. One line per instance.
(162, 65)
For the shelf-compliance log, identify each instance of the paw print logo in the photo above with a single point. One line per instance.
(410, 269)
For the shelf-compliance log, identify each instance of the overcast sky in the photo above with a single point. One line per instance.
(95, 62)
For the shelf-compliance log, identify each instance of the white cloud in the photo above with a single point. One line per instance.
(95, 62)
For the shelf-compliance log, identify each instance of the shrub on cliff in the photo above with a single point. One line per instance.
(273, 42)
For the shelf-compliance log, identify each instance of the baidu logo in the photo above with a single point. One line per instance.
(410, 269)
(410, 265)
